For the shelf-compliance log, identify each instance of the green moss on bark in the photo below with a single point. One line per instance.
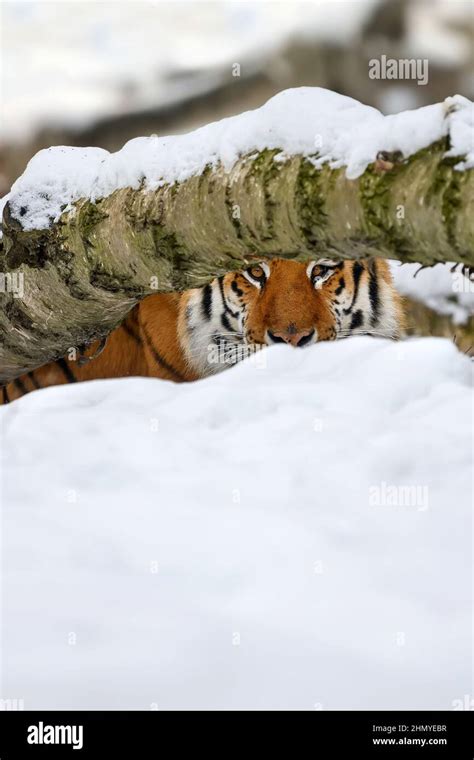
(310, 200)
(84, 273)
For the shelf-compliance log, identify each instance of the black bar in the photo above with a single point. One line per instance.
(318, 734)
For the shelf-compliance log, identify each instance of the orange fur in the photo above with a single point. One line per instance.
(158, 337)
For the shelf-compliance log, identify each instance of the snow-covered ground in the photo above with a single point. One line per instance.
(294, 533)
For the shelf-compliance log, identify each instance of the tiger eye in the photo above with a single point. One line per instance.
(256, 271)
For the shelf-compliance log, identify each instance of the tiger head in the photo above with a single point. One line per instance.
(283, 301)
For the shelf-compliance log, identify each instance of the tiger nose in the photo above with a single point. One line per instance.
(291, 336)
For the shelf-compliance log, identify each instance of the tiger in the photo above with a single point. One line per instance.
(189, 335)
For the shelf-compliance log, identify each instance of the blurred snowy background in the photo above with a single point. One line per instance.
(100, 73)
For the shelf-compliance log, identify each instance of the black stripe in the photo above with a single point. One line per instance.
(20, 386)
(340, 287)
(236, 289)
(6, 400)
(34, 381)
(357, 270)
(357, 320)
(132, 334)
(66, 370)
(374, 291)
(206, 302)
(220, 280)
(159, 359)
(225, 322)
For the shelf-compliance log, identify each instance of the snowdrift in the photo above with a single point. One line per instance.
(294, 533)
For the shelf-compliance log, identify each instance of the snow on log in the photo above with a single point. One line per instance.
(87, 233)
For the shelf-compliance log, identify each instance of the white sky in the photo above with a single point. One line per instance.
(70, 61)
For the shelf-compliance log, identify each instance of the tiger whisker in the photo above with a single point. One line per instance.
(374, 333)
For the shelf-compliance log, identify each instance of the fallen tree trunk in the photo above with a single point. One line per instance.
(421, 320)
(75, 261)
